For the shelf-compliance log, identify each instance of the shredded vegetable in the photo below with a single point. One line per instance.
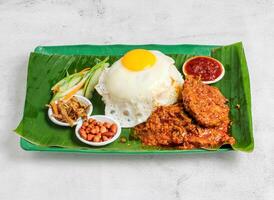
(79, 82)
(82, 83)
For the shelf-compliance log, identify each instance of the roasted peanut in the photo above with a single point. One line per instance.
(97, 131)
(90, 137)
(94, 130)
(105, 138)
(97, 138)
(82, 131)
(123, 139)
(107, 125)
(99, 123)
(103, 129)
(85, 124)
(84, 135)
(113, 128)
(108, 134)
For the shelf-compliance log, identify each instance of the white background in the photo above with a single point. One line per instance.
(29, 175)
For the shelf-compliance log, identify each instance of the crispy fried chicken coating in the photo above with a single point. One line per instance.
(201, 120)
(171, 126)
(205, 103)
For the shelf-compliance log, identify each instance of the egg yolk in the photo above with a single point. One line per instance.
(138, 59)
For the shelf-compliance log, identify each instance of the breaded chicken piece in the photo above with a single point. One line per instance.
(204, 103)
(171, 126)
(208, 138)
(166, 126)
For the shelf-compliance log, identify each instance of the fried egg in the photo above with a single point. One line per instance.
(138, 82)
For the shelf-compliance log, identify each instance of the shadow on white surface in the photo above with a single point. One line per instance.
(226, 157)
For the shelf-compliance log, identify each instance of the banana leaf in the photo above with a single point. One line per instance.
(47, 68)
(236, 87)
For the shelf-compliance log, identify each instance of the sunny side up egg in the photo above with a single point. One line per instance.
(138, 82)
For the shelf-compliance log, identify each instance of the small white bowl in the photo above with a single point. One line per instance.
(100, 118)
(81, 99)
(206, 82)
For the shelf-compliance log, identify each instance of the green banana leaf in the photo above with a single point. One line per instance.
(45, 69)
(236, 87)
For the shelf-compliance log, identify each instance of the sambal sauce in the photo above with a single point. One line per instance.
(207, 68)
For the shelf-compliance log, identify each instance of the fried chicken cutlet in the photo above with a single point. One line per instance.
(171, 126)
(204, 103)
(199, 120)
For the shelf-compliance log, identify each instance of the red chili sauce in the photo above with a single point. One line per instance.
(208, 69)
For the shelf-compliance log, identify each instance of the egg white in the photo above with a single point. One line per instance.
(131, 96)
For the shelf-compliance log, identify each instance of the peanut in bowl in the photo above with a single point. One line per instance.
(98, 130)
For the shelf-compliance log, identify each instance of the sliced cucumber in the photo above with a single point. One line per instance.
(93, 80)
